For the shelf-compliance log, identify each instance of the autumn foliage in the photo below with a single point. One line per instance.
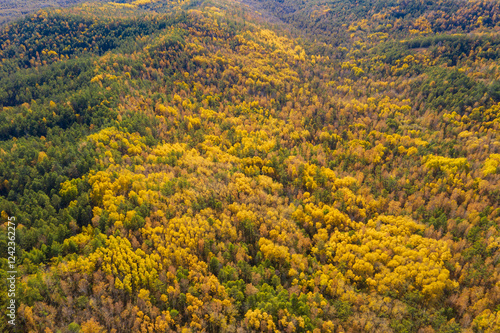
(186, 166)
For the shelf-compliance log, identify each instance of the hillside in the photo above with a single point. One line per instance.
(254, 166)
(11, 10)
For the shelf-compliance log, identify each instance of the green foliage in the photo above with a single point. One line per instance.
(452, 90)
(183, 166)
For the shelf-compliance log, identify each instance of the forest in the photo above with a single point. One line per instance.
(256, 166)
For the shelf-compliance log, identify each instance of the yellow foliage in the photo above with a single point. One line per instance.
(41, 156)
(488, 321)
(390, 256)
(273, 252)
(446, 164)
(491, 165)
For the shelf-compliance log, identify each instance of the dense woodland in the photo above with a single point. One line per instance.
(10, 10)
(274, 166)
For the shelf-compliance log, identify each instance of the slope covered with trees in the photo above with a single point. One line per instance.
(186, 166)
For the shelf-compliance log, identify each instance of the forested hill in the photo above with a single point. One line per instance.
(11, 10)
(254, 166)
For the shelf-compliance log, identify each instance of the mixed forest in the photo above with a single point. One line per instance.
(255, 166)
